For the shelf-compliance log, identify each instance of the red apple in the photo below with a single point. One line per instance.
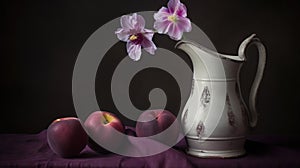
(66, 136)
(105, 129)
(153, 122)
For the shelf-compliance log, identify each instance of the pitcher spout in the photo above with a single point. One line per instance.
(209, 64)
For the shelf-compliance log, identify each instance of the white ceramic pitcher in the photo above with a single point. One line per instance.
(215, 117)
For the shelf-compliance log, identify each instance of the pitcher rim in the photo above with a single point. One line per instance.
(234, 58)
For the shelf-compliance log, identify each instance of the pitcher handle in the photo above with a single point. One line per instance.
(252, 112)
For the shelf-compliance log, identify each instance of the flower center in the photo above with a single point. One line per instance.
(133, 37)
(172, 18)
(136, 38)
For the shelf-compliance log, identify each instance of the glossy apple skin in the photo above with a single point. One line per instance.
(66, 137)
(103, 131)
(153, 122)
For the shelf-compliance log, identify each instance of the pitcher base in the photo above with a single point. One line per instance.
(216, 154)
(217, 148)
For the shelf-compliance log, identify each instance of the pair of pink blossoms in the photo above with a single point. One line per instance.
(171, 20)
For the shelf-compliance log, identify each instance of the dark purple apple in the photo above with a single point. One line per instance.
(153, 122)
(104, 128)
(66, 137)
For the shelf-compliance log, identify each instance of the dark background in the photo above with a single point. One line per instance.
(40, 41)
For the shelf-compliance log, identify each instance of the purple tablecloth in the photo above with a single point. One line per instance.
(27, 150)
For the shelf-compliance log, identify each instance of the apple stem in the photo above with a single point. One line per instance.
(107, 119)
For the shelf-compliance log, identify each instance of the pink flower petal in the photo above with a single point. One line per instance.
(162, 27)
(178, 8)
(149, 46)
(162, 14)
(174, 32)
(134, 51)
(181, 11)
(173, 5)
(162, 23)
(134, 23)
(184, 24)
(140, 23)
(126, 22)
(147, 33)
(122, 34)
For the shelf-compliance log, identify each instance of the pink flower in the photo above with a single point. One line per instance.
(172, 20)
(137, 37)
